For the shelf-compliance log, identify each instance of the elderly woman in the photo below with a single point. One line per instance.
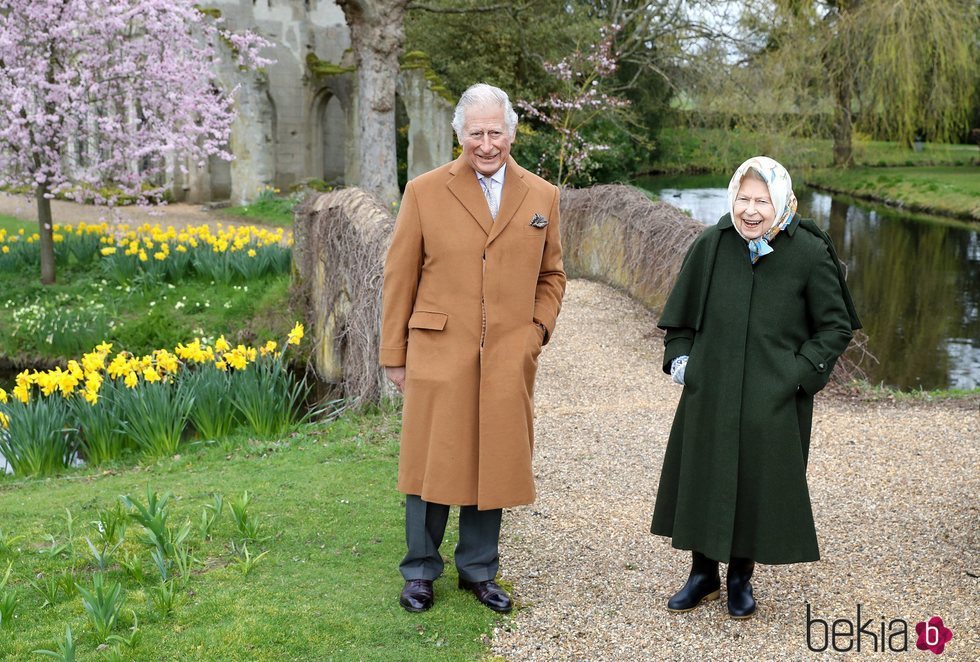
(758, 317)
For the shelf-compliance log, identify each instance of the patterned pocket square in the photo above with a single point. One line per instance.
(538, 221)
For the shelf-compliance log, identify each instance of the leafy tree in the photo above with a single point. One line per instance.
(656, 45)
(899, 68)
(98, 95)
(500, 43)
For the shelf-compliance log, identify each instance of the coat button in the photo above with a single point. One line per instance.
(820, 366)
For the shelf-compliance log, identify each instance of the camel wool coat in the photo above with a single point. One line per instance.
(463, 298)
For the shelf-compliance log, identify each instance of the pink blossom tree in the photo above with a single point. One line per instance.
(99, 95)
(579, 99)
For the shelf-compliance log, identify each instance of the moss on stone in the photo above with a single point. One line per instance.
(421, 60)
(209, 11)
(324, 68)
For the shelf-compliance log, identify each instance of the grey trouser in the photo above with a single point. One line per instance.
(477, 559)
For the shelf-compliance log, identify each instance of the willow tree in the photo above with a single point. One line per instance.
(899, 68)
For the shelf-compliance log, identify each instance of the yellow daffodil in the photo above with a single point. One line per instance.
(75, 370)
(47, 382)
(3, 396)
(295, 335)
(93, 381)
(119, 366)
(151, 375)
(108, 250)
(22, 393)
(167, 361)
(235, 359)
(4, 421)
(192, 352)
(131, 379)
(24, 379)
(221, 345)
(221, 365)
(93, 361)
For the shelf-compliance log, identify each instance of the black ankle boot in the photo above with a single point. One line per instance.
(703, 584)
(741, 604)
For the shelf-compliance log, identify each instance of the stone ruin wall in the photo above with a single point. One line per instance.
(296, 125)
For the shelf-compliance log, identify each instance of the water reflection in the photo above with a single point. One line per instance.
(915, 280)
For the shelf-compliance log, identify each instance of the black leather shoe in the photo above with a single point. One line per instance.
(489, 594)
(417, 595)
(741, 604)
(704, 583)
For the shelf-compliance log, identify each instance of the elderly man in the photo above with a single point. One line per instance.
(473, 285)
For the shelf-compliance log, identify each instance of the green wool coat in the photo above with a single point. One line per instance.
(762, 340)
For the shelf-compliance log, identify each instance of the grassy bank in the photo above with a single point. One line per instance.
(13, 225)
(279, 213)
(325, 498)
(82, 309)
(271, 207)
(875, 392)
(687, 150)
(953, 191)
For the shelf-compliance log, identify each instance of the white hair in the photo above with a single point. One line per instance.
(482, 95)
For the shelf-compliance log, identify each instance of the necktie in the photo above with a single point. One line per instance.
(487, 183)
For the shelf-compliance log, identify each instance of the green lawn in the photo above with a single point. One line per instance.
(83, 309)
(326, 590)
(12, 225)
(688, 150)
(953, 191)
(268, 209)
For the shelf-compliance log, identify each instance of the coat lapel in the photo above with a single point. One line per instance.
(515, 190)
(467, 190)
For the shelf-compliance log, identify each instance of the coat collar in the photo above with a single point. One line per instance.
(466, 188)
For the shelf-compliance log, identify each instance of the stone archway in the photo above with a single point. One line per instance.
(220, 180)
(331, 144)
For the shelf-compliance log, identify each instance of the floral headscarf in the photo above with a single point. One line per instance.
(780, 192)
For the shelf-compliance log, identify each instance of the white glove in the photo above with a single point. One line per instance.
(677, 368)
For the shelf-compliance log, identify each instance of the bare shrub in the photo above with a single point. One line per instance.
(615, 234)
(341, 239)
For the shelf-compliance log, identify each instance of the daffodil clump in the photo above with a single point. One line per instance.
(106, 404)
(224, 255)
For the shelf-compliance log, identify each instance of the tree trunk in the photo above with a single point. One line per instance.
(46, 230)
(377, 33)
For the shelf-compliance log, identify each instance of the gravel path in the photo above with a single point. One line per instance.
(177, 214)
(894, 490)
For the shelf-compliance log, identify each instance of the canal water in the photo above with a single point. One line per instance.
(915, 279)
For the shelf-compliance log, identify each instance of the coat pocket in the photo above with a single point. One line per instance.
(421, 319)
